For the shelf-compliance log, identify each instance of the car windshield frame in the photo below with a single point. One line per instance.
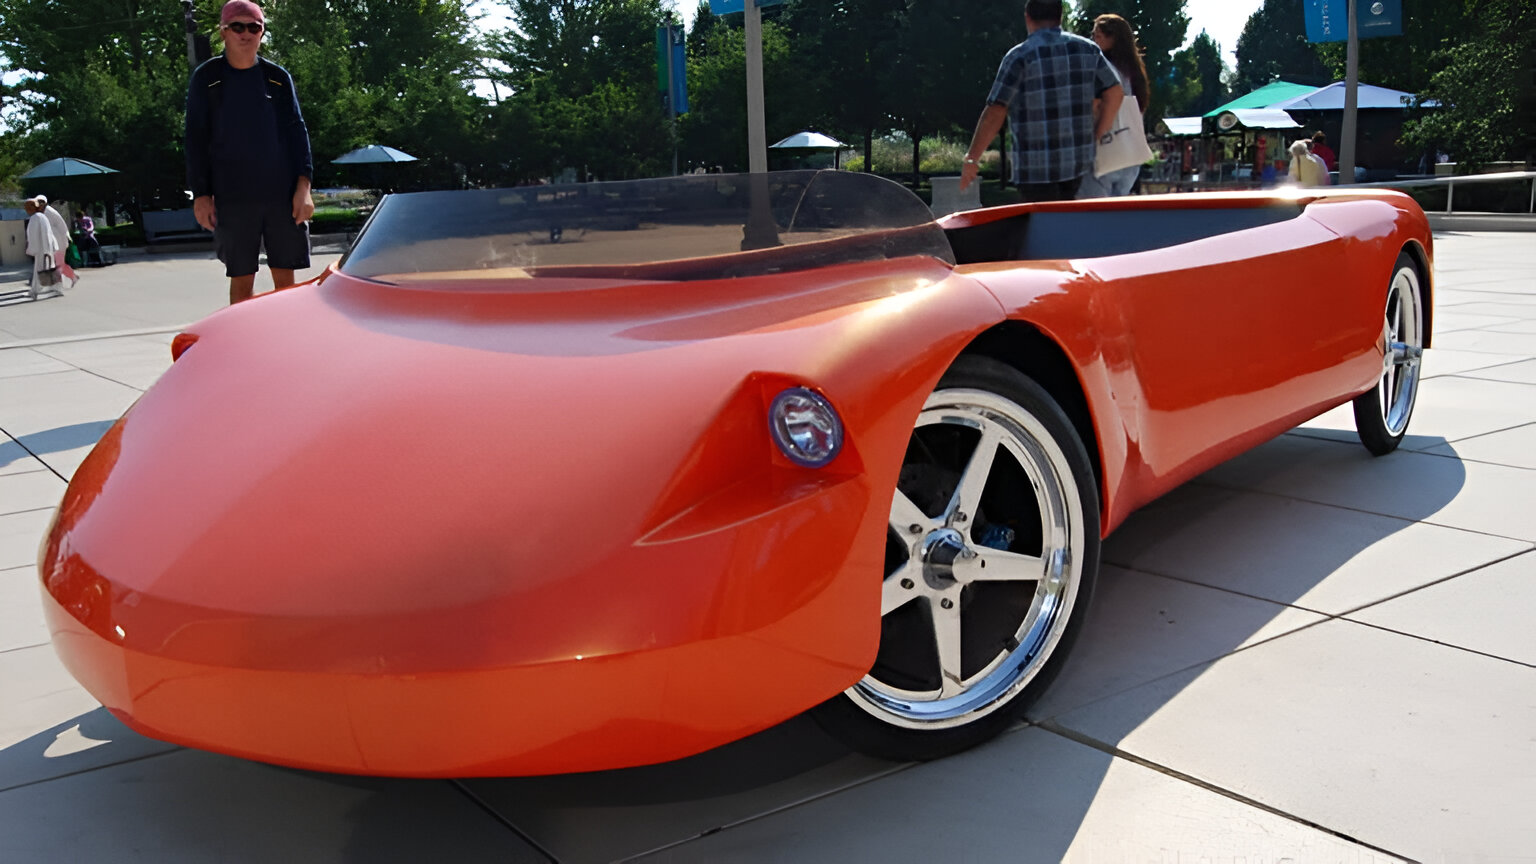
(691, 227)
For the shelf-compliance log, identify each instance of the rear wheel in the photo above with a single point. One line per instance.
(991, 554)
(1382, 413)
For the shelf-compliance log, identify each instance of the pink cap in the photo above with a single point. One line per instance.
(241, 9)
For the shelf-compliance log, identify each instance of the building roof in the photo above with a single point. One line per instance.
(1265, 97)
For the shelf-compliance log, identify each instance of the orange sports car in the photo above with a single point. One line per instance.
(566, 478)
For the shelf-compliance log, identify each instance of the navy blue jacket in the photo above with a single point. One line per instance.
(245, 137)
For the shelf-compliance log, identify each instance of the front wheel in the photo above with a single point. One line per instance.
(1382, 413)
(991, 554)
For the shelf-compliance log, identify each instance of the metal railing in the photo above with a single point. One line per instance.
(1450, 184)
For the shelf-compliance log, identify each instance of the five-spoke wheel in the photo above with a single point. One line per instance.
(991, 553)
(1382, 413)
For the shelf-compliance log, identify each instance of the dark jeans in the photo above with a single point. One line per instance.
(1066, 190)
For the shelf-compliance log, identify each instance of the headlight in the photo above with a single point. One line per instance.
(805, 427)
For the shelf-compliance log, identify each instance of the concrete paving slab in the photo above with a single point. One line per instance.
(15, 362)
(1450, 321)
(1397, 742)
(1473, 496)
(1142, 627)
(1516, 344)
(60, 416)
(1312, 556)
(39, 695)
(30, 490)
(1487, 610)
(1030, 796)
(610, 815)
(164, 290)
(133, 361)
(20, 534)
(1447, 409)
(1516, 447)
(1519, 372)
(188, 806)
(21, 609)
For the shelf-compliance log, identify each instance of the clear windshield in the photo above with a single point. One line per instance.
(708, 226)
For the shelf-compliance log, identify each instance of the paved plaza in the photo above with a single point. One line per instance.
(1305, 655)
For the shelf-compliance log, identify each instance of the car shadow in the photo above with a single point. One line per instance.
(1132, 626)
(792, 786)
(56, 440)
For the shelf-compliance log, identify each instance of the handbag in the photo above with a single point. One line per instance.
(1129, 141)
(48, 274)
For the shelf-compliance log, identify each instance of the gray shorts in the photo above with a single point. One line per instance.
(245, 227)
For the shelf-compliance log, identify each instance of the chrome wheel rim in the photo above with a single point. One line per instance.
(1404, 350)
(983, 562)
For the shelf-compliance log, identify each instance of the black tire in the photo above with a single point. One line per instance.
(1382, 413)
(1034, 517)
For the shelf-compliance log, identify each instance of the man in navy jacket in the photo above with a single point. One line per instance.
(248, 158)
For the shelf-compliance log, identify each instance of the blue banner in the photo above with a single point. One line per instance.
(1328, 20)
(726, 7)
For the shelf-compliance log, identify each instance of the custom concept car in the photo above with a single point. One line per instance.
(566, 478)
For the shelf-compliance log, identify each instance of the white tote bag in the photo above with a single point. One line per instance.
(1129, 146)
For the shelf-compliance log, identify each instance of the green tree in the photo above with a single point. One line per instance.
(1160, 27)
(1486, 87)
(583, 80)
(714, 131)
(1274, 46)
(105, 84)
(1200, 76)
(1408, 61)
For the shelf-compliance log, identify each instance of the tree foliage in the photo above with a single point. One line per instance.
(1161, 27)
(1274, 46)
(1486, 87)
(575, 80)
(1199, 79)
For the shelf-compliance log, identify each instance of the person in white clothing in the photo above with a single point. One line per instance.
(1307, 168)
(43, 246)
(61, 233)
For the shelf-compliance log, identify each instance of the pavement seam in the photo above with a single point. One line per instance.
(507, 823)
(89, 337)
(34, 455)
(817, 796)
(78, 772)
(1118, 753)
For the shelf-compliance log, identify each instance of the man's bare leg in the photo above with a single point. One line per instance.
(281, 278)
(241, 288)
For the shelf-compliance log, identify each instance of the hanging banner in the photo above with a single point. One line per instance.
(726, 7)
(1328, 20)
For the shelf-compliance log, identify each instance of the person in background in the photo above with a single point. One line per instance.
(1060, 96)
(1306, 168)
(248, 158)
(44, 248)
(1115, 38)
(1321, 150)
(60, 230)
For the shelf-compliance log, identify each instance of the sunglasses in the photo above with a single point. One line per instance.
(241, 27)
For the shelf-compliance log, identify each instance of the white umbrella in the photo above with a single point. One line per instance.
(809, 140)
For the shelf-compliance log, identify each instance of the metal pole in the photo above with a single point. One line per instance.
(757, 137)
(191, 28)
(1351, 99)
(672, 96)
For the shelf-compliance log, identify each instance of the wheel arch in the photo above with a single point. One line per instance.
(1420, 256)
(1025, 348)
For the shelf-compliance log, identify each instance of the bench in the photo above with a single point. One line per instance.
(173, 226)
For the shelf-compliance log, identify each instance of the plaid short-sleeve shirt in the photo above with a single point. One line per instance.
(1048, 82)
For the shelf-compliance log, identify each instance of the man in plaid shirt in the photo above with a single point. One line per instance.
(1061, 96)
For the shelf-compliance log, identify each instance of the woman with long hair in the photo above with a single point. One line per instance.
(1115, 38)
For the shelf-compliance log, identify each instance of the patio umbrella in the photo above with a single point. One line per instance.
(71, 179)
(372, 154)
(808, 142)
(66, 166)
